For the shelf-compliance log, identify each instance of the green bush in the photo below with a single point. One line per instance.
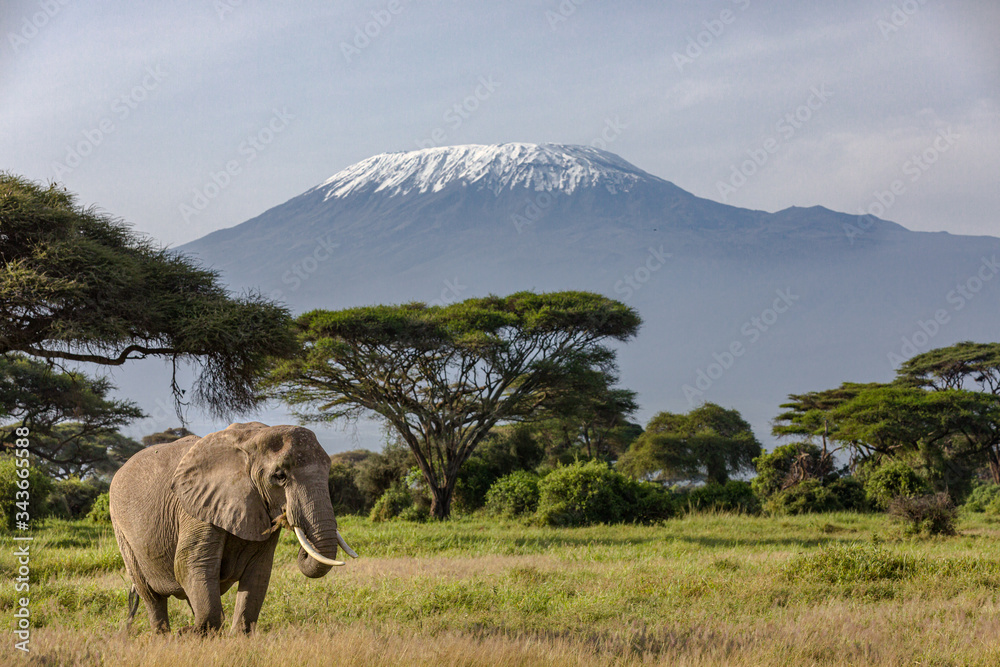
(984, 498)
(39, 487)
(505, 450)
(513, 495)
(100, 510)
(850, 492)
(72, 498)
(733, 496)
(774, 468)
(345, 495)
(891, 480)
(591, 492)
(391, 504)
(804, 498)
(932, 514)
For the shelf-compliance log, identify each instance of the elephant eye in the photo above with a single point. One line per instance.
(279, 477)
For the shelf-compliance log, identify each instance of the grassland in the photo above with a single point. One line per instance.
(836, 589)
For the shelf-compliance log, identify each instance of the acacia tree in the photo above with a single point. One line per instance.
(954, 367)
(709, 443)
(72, 420)
(442, 376)
(81, 286)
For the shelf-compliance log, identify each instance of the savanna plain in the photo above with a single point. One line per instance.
(705, 589)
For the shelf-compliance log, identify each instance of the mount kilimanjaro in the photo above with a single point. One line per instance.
(740, 307)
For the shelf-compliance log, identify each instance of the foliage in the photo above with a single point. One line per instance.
(932, 514)
(398, 503)
(505, 450)
(72, 499)
(709, 443)
(170, 435)
(39, 487)
(514, 495)
(851, 494)
(81, 286)
(811, 415)
(345, 495)
(806, 497)
(955, 367)
(788, 465)
(100, 511)
(72, 421)
(984, 498)
(441, 377)
(733, 496)
(891, 480)
(591, 492)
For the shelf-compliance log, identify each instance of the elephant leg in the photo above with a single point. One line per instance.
(156, 609)
(196, 567)
(253, 588)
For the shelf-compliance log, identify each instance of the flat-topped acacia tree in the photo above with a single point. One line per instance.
(78, 285)
(442, 376)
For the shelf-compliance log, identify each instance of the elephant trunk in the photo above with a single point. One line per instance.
(315, 522)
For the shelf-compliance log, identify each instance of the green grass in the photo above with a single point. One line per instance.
(704, 589)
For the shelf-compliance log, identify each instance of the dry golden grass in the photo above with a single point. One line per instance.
(705, 590)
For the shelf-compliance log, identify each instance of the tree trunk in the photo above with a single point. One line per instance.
(441, 500)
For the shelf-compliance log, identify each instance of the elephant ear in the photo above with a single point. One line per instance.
(212, 482)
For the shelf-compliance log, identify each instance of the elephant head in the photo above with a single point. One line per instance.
(251, 478)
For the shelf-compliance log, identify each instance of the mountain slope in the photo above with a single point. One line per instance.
(444, 224)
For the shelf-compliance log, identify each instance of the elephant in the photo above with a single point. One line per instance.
(195, 516)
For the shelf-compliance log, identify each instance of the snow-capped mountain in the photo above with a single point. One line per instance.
(741, 307)
(537, 167)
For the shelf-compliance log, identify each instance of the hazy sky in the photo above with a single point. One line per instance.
(185, 117)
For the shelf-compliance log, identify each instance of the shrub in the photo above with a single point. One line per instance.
(505, 450)
(514, 495)
(391, 504)
(850, 492)
(733, 496)
(891, 480)
(984, 498)
(100, 510)
(345, 495)
(804, 498)
(775, 468)
(591, 492)
(932, 514)
(39, 487)
(72, 498)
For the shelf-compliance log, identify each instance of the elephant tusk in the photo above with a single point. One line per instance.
(343, 545)
(311, 550)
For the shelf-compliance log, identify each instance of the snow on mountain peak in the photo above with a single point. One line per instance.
(540, 167)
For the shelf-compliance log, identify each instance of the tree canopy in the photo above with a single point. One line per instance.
(72, 420)
(81, 286)
(709, 443)
(442, 376)
(954, 367)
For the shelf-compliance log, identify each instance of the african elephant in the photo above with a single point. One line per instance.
(195, 516)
